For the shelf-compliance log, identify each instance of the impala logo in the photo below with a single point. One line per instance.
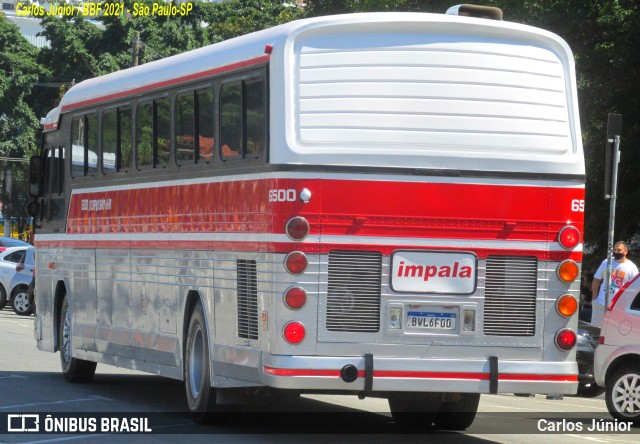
(430, 271)
(442, 272)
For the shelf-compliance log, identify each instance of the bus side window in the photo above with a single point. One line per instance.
(84, 145)
(194, 127)
(125, 152)
(255, 118)
(91, 151)
(109, 141)
(162, 126)
(205, 124)
(144, 135)
(185, 129)
(77, 146)
(231, 120)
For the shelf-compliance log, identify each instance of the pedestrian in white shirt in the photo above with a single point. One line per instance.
(622, 271)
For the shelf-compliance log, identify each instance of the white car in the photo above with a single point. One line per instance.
(617, 357)
(17, 267)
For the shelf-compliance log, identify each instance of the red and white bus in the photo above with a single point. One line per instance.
(382, 204)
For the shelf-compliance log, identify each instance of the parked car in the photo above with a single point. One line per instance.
(617, 357)
(7, 242)
(586, 344)
(17, 265)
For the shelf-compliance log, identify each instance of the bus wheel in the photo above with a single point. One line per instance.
(3, 297)
(458, 414)
(74, 370)
(416, 410)
(201, 397)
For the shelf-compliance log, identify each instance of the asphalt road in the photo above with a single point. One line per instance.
(30, 383)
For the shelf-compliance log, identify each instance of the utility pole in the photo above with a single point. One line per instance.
(614, 129)
(135, 48)
(6, 210)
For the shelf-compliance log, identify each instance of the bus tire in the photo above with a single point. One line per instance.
(416, 410)
(201, 397)
(74, 370)
(3, 297)
(458, 414)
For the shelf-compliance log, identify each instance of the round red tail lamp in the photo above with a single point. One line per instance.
(297, 228)
(566, 339)
(569, 237)
(293, 332)
(296, 262)
(295, 298)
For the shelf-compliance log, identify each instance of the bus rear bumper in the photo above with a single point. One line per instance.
(382, 374)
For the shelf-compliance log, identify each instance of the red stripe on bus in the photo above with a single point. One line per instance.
(285, 248)
(168, 83)
(405, 374)
(337, 208)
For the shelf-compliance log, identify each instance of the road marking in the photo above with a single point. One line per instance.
(13, 377)
(91, 398)
(589, 438)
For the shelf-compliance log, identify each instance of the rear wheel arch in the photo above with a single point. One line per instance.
(193, 297)
(59, 295)
(628, 360)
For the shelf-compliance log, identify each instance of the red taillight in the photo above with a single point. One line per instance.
(293, 332)
(297, 228)
(295, 298)
(295, 262)
(566, 339)
(601, 340)
(569, 237)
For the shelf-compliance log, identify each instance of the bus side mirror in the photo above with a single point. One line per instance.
(35, 176)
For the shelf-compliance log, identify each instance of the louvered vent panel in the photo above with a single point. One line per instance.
(510, 296)
(353, 300)
(247, 299)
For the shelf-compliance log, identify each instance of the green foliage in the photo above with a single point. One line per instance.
(604, 36)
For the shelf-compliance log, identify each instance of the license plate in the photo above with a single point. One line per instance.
(430, 320)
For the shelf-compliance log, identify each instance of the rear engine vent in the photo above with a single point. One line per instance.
(510, 296)
(353, 300)
(247, 299)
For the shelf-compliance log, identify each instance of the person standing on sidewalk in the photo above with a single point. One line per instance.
(622, 271)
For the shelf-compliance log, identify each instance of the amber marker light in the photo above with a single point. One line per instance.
(567, 271)
(293, 332)
(569, 237)
(566, 305)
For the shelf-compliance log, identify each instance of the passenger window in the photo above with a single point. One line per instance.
(242, 119)
(635, 305)
(77, 146)
(255, 112)
(206, 127)
(116, 140)
(109, 141)
(163, 132)
(185, 129)
(231, 120)
(84, 145)
(144, 135)
(92, 143)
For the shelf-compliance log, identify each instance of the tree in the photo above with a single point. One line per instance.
(18, 123)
